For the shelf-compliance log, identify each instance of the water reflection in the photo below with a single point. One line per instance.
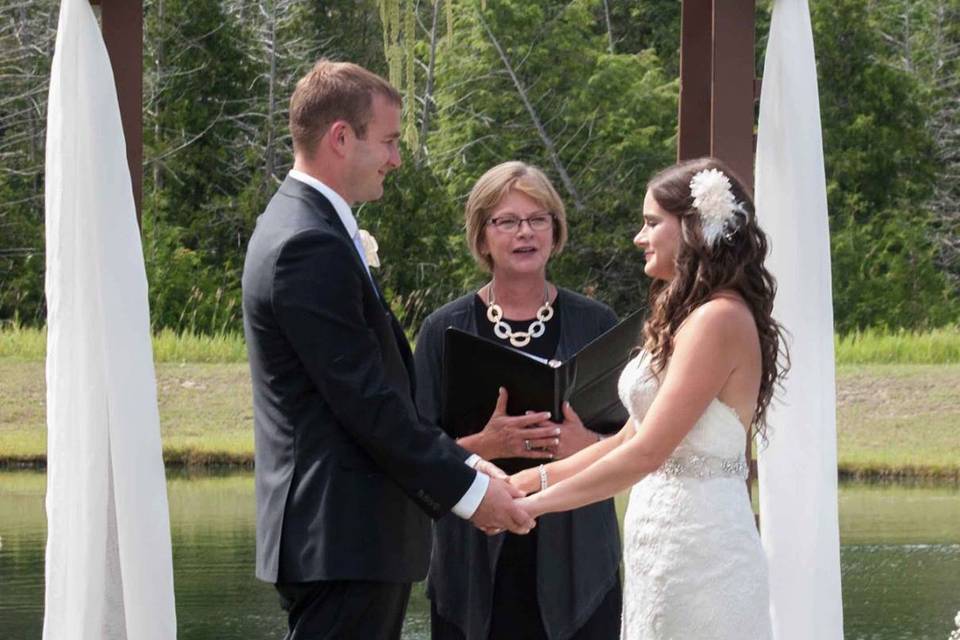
(900, 560)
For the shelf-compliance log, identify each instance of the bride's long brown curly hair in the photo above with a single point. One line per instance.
(734, 262)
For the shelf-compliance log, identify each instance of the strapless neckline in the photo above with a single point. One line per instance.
(718, 432)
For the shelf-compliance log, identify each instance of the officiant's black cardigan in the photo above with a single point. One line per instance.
(578, 552)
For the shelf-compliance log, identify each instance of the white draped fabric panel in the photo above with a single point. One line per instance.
(109, 573)
(798, 470)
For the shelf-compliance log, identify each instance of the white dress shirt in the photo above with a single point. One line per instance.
(468, 504)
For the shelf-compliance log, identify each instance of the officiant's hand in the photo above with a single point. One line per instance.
(506, 436)
(498, 511)
(573, 435)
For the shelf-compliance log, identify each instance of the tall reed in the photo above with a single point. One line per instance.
(873, 346)
(880, 346)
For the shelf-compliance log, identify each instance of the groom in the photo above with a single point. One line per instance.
(344, 468)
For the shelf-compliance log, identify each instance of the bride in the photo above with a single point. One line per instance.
(694, 567)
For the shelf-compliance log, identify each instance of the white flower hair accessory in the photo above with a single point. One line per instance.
(714, 201)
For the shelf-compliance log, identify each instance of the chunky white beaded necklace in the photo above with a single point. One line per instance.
(518, 338)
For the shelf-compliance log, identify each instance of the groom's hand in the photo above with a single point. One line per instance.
(490, 469)
(498, 511)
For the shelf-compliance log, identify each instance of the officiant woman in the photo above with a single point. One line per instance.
(562, 580)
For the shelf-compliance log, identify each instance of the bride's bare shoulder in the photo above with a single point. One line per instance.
(725, 316)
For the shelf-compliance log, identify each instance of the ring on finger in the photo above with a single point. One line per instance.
(526, 445)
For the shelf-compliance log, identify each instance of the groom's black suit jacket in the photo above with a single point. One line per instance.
(342, 459)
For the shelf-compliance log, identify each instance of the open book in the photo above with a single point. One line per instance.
(474, 368)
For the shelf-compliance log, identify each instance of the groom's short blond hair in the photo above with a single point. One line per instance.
(334, 91)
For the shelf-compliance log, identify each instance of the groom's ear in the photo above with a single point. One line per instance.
(338, 137)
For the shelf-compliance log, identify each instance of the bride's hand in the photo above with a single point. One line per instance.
(530, 505)
(527, 480)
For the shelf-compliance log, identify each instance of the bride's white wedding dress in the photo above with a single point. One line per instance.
(693, 564)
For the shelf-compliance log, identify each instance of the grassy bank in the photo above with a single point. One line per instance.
(894, 419)
(898, 420)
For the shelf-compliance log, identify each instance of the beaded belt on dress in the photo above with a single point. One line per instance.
(704, 467)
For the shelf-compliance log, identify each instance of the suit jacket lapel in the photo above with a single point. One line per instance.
(325, 209)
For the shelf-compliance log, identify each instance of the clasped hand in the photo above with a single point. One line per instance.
(505, 506)
(499, 511)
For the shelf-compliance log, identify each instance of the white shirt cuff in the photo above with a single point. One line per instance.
(471, 499)
(472, 461)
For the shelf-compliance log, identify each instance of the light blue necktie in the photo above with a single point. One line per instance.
(363, 259)
(363, 255)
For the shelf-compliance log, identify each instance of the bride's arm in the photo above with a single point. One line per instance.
(528, 480)
(703, 358)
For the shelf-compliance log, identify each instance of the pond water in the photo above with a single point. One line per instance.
(900, 560)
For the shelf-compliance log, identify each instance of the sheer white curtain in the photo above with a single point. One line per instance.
(109, 573)
(798, 470)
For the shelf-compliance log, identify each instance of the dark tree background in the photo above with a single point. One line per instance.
(586, 89)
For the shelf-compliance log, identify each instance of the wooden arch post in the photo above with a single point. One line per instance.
(717, 83)
(122, 24)
(718, 93)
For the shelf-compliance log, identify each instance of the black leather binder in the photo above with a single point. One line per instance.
(474, 368)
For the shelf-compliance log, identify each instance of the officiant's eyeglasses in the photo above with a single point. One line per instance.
(509, 224)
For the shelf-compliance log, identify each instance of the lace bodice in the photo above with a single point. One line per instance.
(693, 564)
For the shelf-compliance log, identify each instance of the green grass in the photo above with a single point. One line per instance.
(892, 419)
(169, 346)
(898, 420)
(206, 414)
(24, 344)
(898, 400)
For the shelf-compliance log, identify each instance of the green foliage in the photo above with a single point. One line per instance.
(217, 80)
(187, 295)
(26, 47)
(611, 119)
(880, 176)
(425, 262)
(645, 25)
(197, 175)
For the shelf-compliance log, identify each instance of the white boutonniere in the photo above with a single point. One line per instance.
(370, 247)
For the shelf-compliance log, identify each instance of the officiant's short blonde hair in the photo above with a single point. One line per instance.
(334, 91)
(491, 188)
